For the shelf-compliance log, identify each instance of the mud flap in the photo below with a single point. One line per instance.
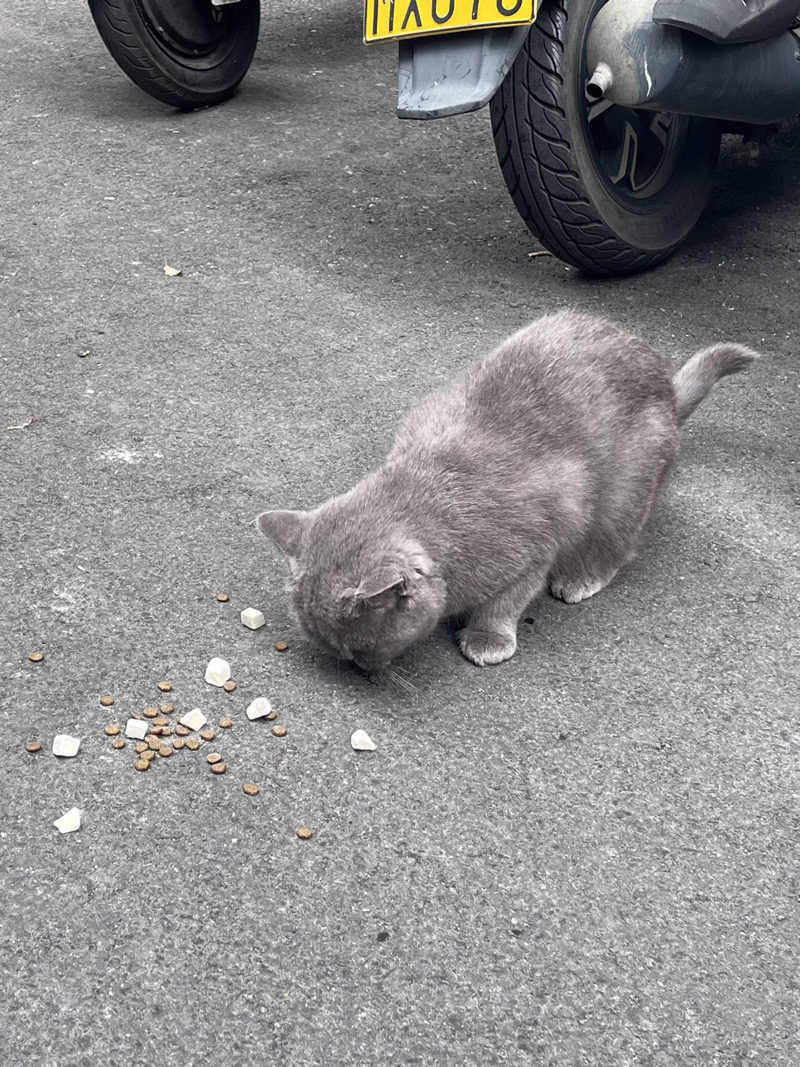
(452, 73)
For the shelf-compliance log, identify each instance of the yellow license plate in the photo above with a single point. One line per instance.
(387, 20)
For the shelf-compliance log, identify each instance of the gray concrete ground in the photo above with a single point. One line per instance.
(586, 856)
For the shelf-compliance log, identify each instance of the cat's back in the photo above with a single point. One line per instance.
(572, 359)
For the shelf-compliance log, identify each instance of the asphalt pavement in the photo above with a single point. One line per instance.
(586, 856)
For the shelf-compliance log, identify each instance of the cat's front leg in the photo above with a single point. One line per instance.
(490, 635)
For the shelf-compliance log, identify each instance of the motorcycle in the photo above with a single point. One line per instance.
(606, 114)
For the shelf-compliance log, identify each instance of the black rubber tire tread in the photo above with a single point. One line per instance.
(119, 25)
(528, 116)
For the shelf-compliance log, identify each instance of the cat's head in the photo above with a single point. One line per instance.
(362, 598)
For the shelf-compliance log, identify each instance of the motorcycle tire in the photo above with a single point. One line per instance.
(186, 53)
(607, 189)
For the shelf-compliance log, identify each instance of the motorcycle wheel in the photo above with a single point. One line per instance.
(608, 189)
(186, 53)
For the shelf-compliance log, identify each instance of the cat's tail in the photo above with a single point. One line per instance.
(697, 377)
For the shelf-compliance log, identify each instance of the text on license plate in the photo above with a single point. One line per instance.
(389, 19)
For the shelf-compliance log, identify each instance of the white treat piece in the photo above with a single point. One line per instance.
(69, 821)
(362, 742)
(194, 720)
(259, 708)
(64, 745)
(136, 728)
(252, 618)
(218, 671)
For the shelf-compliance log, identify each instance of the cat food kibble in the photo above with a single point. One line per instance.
(33, 746)
(178, 743)
(226, 724)
(160, 721)
(167, 709)
(149, 755)
(182, 731)
(253, 618)
(107, 701)
(304, 833)
(166, 731)
(213, 757)
(142, 764)
(281, 646)
(251, 789)
(218, 768)
(165, 751)
(112, 729)
(156, 731)
(218, 672)
(279, 731)
(141, 747)
(229, 686)
(165, 687)
(35, 657)
(150, 713)
(223, 598)
(119, 742)
(193, 744)
(208, 735)
(154, 743)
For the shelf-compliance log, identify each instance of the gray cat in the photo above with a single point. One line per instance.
(540, 467)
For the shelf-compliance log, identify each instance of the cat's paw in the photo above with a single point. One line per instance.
(486, 648)
(574, 592)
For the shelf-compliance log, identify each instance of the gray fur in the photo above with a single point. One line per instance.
(540, 467)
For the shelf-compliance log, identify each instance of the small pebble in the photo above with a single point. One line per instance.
(279, 731)
(33, 746)
(165, 687)
(251, 789)
(136, 729)
(182, 731)
(213, 757)
(226, 724)
(154, 744)
(194, 719)
(218, 672)
(223, 598)
(167, 709)
(193, 744)
(66, 746)
(253, 618)
(118, 742)
(35, 657)
(178, 743)
(141, 747)
(112, 729)
(165, 751)
(150, 713)
(229, 686)
(281, 646)
(218, 768)
(142, 765)
(68, 822)
(107, 701)
(304, 833)
(259, 708)
(362, 742)
(207, 735)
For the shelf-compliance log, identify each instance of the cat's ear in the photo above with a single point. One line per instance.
(381, 588)
(285, 529)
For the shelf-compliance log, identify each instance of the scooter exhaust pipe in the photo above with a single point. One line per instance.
(638, 64)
